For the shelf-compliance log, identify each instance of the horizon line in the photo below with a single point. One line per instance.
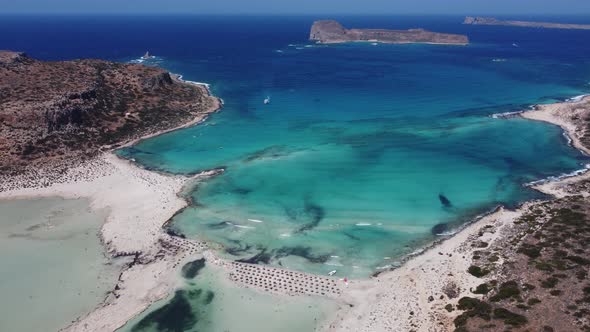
(154, 13)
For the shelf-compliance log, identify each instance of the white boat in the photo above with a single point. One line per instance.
(515, 45)
(267, 101)
(331, 273)
(147, 56)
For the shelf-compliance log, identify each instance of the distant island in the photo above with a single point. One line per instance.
(526, 24)
(332, 32)
(60, 112)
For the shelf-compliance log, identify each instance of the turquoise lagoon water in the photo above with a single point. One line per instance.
(365, 152)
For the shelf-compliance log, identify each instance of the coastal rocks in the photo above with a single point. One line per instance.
(323, 31)
(157, 82)
(13, 58)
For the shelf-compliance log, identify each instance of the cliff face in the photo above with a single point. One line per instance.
(526, 24)
(54, 112)
(329, 32)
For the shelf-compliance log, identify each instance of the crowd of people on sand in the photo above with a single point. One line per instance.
(177, 246)
(43, 177)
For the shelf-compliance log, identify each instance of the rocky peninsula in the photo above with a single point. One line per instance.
(332, 32)
(55, 114)
(523, 24)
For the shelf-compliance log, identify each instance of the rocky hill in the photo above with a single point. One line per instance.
(330, 32)
(527, 24)
(55, 113)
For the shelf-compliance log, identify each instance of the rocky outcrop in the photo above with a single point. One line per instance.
(526, 24)
(330, 32)
(54, 112)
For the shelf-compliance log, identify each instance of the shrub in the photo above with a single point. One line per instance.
(549, 282)
(543, 266)
(530, 250)
(533, 301)
(528, 286)
(477, 271)
(476, 307)
(507, 290)
(578, 260)
(482, 289)
(509, 317)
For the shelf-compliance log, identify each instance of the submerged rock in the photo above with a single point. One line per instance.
(176, 316)
(191, 269)
(445, 201)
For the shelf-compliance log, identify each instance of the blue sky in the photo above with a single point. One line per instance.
(300, 6)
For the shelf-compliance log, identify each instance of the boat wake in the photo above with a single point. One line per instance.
(506, 115)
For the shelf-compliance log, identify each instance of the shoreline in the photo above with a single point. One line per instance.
(153, 274)
(214, 108)
(563, 115)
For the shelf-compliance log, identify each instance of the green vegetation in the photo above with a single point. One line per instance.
(506, 290)
(509, 317)
(482, 289)
(473, 308)
(549, 282)
(527, 286)
(477, 271)
(530, 250)
(533, 301)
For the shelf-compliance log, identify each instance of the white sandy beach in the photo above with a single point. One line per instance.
(563, 115)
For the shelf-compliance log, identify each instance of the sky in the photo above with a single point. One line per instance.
(474, 7)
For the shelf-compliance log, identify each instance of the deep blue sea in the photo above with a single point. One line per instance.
(366, 152)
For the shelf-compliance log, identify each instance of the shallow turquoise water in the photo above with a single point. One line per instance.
(365, 152)
(50, 249)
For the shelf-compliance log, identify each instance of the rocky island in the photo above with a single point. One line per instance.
(332, 32)
(56, 113)
(527, 24)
